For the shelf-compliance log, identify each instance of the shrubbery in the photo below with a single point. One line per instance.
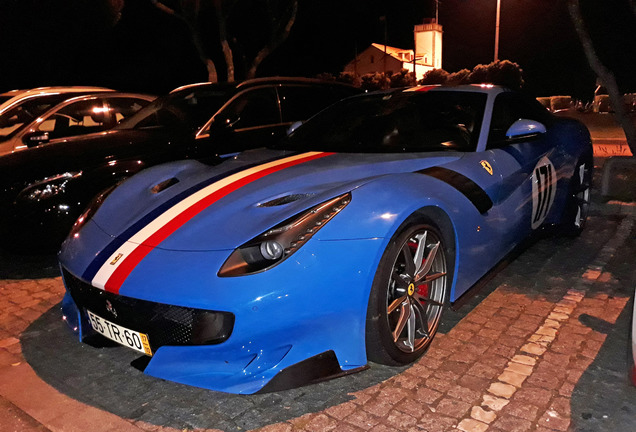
(501, 72)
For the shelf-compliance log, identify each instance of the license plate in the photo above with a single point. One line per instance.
(122, 335)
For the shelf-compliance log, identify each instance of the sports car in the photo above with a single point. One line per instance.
(340, 245)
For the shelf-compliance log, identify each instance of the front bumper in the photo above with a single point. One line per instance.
(310, 310)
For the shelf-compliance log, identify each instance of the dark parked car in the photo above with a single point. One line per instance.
(44, 189)
(76, 116)
(18, 108)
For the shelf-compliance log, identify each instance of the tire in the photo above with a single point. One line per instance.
(407, 299)
(578, 204)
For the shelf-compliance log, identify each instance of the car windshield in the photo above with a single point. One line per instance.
(185, 109)
(16, 118)
(394, 123)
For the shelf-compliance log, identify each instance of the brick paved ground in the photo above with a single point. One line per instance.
(525, 355)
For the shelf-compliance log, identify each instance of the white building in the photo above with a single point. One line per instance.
(384, 58)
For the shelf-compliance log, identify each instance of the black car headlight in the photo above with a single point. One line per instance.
(279, 243)
(48, 187)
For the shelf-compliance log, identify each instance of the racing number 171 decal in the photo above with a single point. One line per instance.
(543, 191)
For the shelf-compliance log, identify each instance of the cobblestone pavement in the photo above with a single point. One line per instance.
(543, 347)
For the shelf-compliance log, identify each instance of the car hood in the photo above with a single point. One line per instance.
(224, 206)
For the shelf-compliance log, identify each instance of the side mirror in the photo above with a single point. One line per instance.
(229, 122)
(33, 139)
(293, 127)
(523, 128)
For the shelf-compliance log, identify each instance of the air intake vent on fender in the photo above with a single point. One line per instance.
(159, 187)
(284, 200)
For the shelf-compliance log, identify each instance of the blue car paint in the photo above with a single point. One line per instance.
(296, 309)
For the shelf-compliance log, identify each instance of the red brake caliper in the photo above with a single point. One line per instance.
(423, 288)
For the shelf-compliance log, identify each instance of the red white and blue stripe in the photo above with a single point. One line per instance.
(110, 269)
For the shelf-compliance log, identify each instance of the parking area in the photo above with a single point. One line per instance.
(542, 347)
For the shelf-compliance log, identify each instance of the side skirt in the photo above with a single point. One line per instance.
(510, 257)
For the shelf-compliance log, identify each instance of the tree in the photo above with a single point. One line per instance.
(403, 78)
(506, 73)
(500, 72)
(375, 81)
(281, 16)
(276, 17)
(604, 74)
(434, 76)
(459, 77)
(349, 78)
(190, 16)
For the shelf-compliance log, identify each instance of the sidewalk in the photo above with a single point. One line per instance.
(529, 353)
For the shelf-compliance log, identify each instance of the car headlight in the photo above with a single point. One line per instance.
(279, 243)
(48, 187)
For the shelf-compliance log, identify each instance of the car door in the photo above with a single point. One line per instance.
(525, 163)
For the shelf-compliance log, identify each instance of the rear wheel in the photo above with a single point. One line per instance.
(578, 204)
(408, 295)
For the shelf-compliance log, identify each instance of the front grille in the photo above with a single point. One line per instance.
(163, 323)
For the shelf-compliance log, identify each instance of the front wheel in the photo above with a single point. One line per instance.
(408, 295)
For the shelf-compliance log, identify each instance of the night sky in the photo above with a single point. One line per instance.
(65, 42)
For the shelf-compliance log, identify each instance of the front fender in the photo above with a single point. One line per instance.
(377, 210)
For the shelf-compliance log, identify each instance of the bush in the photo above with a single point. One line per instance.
(349, 78)
(435, 76)
(403, 78)
(375, 81)
(501, 72)
(459, 77)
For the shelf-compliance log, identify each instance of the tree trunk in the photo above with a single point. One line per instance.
(279, 37)
(225, 46)
(191, 23)
(604, 74)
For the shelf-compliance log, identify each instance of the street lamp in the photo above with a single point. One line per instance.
(497, 31)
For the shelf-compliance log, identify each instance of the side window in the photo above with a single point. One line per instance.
(301, 102)
(18, 117)
(78, 118)
(253, 108)
(510, 107)
(121, 108)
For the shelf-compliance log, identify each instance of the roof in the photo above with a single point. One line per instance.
(393, 51)
(398, 53)
(476, 88)
(261, 81)
(21, 95)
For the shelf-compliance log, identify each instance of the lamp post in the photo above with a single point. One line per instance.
(497, 30)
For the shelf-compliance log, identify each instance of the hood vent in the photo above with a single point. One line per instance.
(159, 187)
(285, 200)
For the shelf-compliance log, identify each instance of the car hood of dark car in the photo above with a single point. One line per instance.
(76, 154)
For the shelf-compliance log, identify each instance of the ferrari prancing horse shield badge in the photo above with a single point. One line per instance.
(485, 165)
